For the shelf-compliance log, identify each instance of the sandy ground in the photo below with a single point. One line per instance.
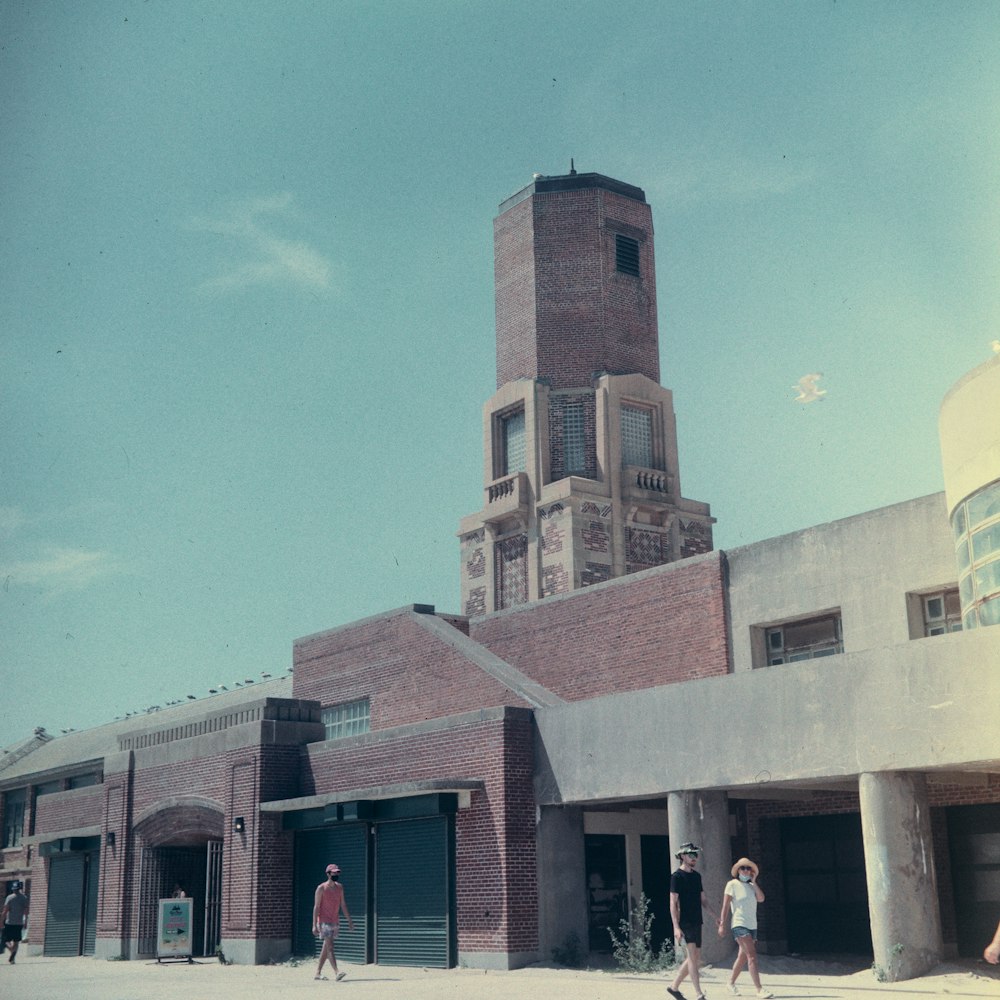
(39, 978)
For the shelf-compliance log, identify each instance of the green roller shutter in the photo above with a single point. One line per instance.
(64, 906)
(347, 846)
(413, 877)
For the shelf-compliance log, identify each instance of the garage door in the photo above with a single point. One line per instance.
(414, 877)
(826, 892)
(71, 908)
(347, 846)
(974, 842)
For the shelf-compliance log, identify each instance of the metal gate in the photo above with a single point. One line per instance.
(414, 875)
(150, 878)
(213, 898)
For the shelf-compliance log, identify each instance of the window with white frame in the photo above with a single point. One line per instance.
(352, 718)
(942, 612)
(804, 640)
(637, 436)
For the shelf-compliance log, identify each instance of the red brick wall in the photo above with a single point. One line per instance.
(69, 810)
(563, 310)
(514, 278)
(408, 674)
(495, 847)
(639, 632)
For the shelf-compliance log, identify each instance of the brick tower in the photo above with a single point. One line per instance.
(580, 442)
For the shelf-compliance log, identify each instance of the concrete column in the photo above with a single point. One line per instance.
(902, 884)
(562, 880)
(703, 819)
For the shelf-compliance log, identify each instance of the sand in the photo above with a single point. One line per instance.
(40, 978)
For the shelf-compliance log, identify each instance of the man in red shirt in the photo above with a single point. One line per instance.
(326, 918)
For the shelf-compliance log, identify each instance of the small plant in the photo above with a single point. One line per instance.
(632, 946)
(883, 975)
(570, 952)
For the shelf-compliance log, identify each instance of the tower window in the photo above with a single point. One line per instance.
(512, 431)
(626, 255)
(574, 439)
(637, 437)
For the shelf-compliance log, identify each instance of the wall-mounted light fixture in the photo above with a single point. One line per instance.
(111, 838)
(239, 825)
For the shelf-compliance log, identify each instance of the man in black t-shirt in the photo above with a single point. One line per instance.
(687, 899)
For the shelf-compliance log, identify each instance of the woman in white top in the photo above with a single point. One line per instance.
(740, 899)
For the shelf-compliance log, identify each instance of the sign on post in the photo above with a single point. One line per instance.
(174, 929)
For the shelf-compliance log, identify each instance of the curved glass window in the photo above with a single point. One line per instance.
(989, 612)
(962, 555)
(984, 505)
(976, 526)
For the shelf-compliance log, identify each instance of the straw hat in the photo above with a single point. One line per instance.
(745, 863)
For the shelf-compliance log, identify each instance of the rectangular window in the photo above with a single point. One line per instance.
(512, 428)
(352, 718)
(942, 612)
(574, 440)
(637, 437)
(13, 817)
(804, 640)
(626, 255)
(84, 780)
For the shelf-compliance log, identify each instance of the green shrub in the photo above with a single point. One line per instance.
(632, 946)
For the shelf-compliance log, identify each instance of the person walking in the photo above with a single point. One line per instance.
(992, 951)
(13, 916)
(327, 907)
(740, 899)
(687, 900)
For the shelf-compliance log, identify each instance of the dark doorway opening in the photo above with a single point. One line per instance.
(826, 892)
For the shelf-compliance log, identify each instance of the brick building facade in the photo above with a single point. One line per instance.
(612, 686)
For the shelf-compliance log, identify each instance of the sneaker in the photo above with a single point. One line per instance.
(676, 994)
(340, 975)
(734, 989)
(764, 995)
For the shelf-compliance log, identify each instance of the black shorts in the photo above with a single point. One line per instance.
(692, 934)
(12, 932)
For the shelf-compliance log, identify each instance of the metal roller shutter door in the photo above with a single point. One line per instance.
(347, 846)
(412, 893)
(64, 906)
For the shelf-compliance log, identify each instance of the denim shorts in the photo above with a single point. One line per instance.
(739, 932)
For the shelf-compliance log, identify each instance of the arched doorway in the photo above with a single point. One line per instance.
(179, 847)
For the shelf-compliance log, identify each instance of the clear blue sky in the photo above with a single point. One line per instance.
(246, 313)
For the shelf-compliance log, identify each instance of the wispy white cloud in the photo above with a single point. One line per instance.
(264, 256)
(59, 569)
